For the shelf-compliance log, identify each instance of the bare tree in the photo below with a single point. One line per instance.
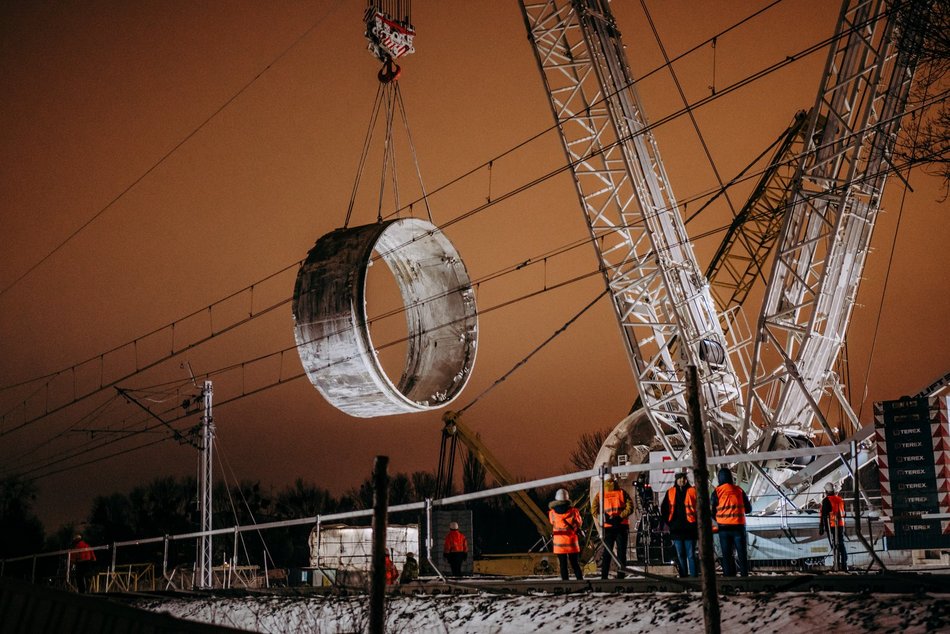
(588, 445)
(925, 136)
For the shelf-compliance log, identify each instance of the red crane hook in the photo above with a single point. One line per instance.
(390, 71)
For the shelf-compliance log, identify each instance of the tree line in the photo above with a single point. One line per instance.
(169, 505)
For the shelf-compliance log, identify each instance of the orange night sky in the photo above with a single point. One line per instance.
(193, 150)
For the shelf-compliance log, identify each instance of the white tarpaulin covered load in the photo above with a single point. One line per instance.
(342, 547)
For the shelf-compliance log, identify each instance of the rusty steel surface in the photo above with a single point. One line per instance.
(332, 329)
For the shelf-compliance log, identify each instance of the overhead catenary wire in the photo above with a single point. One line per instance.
(174, 149)
(689, 110)
(923, 105)
(230, 327)
(280, 56)
(676, 114)
(282, 380)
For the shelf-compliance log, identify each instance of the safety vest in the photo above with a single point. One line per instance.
(455, 542)
(614, 503)
(565, 531)
(836, 516)
(392, 574)
(690, 502)
(731, 507)
(85, 553)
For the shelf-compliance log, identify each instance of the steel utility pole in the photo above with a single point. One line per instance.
(204, 489)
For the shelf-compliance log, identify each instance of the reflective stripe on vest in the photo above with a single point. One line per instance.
(690, 503)
(731, 507)
(565, 531)
(614, 503)
(836, 516)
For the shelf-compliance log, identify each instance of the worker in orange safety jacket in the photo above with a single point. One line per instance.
(455, 549)
(83, 558)
(566, 524)
(392, 573)
(615, 530)
(832, 520)
(728, 506)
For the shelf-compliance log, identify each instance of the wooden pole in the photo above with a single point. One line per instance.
(703, 518)
(377, 593)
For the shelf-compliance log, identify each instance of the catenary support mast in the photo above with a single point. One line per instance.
(205, 553)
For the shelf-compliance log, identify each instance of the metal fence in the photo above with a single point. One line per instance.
(128, 576)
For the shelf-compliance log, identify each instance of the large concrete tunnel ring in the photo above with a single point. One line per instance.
(332, 329)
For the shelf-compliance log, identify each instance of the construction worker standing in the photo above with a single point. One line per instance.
(729, 504)
(678, 510)
(566, 523)
(832, 520)
(392, 573)
(455, 549)
(83, 558)
(616, 527)
(410, 569)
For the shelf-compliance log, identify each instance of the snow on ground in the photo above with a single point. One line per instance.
(787, 612)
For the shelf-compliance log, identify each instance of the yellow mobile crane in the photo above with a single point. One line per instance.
(453, 430)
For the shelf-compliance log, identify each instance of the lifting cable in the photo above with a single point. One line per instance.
(537, 349)
(390, 33)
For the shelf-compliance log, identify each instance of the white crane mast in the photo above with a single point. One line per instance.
(659, 293)
(835, 199)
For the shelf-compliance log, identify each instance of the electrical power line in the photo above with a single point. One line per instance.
(735, 86)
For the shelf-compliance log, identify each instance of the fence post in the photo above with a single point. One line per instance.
(165, 558)
(377, 599)
(707, 567)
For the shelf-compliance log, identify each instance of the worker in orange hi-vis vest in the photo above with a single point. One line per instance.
(83, 559)
(616, 528)
(455, 549)
(392, 573)
(729, 504)
(566, 524)
(832, 520)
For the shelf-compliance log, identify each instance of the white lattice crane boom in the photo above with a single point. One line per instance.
(660, 296)
(835, 199)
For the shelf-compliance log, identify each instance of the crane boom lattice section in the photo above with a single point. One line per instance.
(659, 293)
(835, 199)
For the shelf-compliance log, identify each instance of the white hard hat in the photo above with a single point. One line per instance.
(453, 526)
(829, 487)
(561, 495)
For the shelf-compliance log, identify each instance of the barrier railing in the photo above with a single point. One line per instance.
(230, 574)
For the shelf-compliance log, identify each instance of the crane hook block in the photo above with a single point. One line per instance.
(332, 327)
(388, 37)
(390, 72)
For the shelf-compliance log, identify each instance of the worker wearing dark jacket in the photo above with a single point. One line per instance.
(678, 510)
(616, 528)
(410, 569)
(566, 524)
(832, 520)
(729, 504)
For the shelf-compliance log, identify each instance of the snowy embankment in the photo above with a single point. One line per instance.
(587, 612)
